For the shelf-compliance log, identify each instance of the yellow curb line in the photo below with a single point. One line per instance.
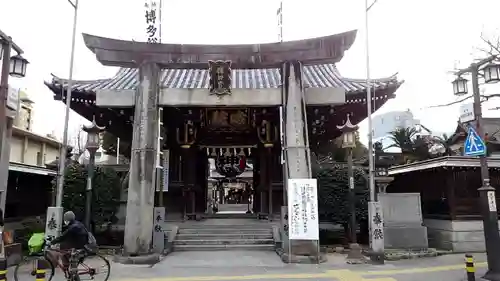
(419, 270)
(341, 274)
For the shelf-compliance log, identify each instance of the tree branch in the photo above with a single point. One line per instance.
(492, 46)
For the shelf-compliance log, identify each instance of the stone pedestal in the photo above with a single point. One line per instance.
(158, 231)
(140, 202)
(403, 226)
(457, 236)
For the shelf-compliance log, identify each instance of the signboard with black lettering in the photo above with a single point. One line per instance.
(303, 221)
(158, 231)
(166, 165)
(377, 225)
(220, 77)
(53, 224)
(153, 18)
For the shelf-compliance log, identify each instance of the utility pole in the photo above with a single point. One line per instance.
(55, 213)
(374, 209)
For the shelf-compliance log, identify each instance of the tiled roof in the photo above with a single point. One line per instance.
(316, 76)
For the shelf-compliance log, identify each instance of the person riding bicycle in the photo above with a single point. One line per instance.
(75, 237)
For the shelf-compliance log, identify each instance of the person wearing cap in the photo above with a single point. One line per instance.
(74, 237)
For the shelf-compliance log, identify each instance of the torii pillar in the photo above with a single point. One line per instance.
(141, 187)
(297, 163)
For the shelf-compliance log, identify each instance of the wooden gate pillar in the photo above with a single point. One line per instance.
(268, 135)
(186, 136)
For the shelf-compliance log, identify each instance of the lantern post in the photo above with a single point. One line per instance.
(93, 143)
(349, 142)
(491, 73)
(14, 66)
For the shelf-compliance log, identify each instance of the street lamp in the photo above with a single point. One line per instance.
(459, 86)
(18, 66)
(489, 211)
(93, 143)
(492, 73)
(6, 46)
(349, 142)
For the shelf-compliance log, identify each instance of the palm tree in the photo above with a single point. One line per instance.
(403, 139)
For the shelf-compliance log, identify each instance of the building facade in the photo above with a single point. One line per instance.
(29, 185)
(385, 123)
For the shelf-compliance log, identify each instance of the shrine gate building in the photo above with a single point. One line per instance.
(231, 102)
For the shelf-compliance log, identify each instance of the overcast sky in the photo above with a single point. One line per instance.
(421, 40)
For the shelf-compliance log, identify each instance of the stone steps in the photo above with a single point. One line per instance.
(218, 241)
(242, 235)
(221, 235)
(231, 216)
(215, 231)
(245, 247)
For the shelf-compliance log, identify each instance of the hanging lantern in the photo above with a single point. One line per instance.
(18, 66)
(491, 73)
(459, 86)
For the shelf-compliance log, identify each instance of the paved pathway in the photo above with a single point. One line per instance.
(266, 266)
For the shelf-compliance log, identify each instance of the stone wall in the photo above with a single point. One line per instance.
(458, 236)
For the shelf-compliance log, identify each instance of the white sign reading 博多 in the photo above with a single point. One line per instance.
(303, 221)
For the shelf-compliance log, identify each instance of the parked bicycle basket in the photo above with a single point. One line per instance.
(35, 244)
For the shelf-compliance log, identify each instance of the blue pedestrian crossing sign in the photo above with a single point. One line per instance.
(474, 145)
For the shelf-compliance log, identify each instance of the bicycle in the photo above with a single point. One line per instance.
(73, 272)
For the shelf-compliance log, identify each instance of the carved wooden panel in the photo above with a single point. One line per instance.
(228, 119)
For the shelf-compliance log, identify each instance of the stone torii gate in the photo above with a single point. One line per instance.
(150, 59)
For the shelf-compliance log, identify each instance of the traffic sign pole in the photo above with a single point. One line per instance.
(490, 218)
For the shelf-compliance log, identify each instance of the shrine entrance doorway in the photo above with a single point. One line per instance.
(230, 182)
(224, 161)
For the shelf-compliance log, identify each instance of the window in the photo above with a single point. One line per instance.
(25, 118)
(40, 159)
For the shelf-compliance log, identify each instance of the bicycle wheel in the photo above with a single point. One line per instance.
(27, 269)
(94, 267)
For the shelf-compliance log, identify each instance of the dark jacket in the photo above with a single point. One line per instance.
(75, 236)
(1, 217)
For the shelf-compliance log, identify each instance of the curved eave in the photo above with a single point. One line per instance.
(122, 53)
(315, 76)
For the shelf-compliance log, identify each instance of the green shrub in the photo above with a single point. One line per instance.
(333, 194)
(106, 189)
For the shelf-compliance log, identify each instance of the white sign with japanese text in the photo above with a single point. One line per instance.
(303, 221)
(376, 225)
(492, 202)
(153, 20)
(158, 231)
(13, 99)
(166, 165)
(467, 112)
